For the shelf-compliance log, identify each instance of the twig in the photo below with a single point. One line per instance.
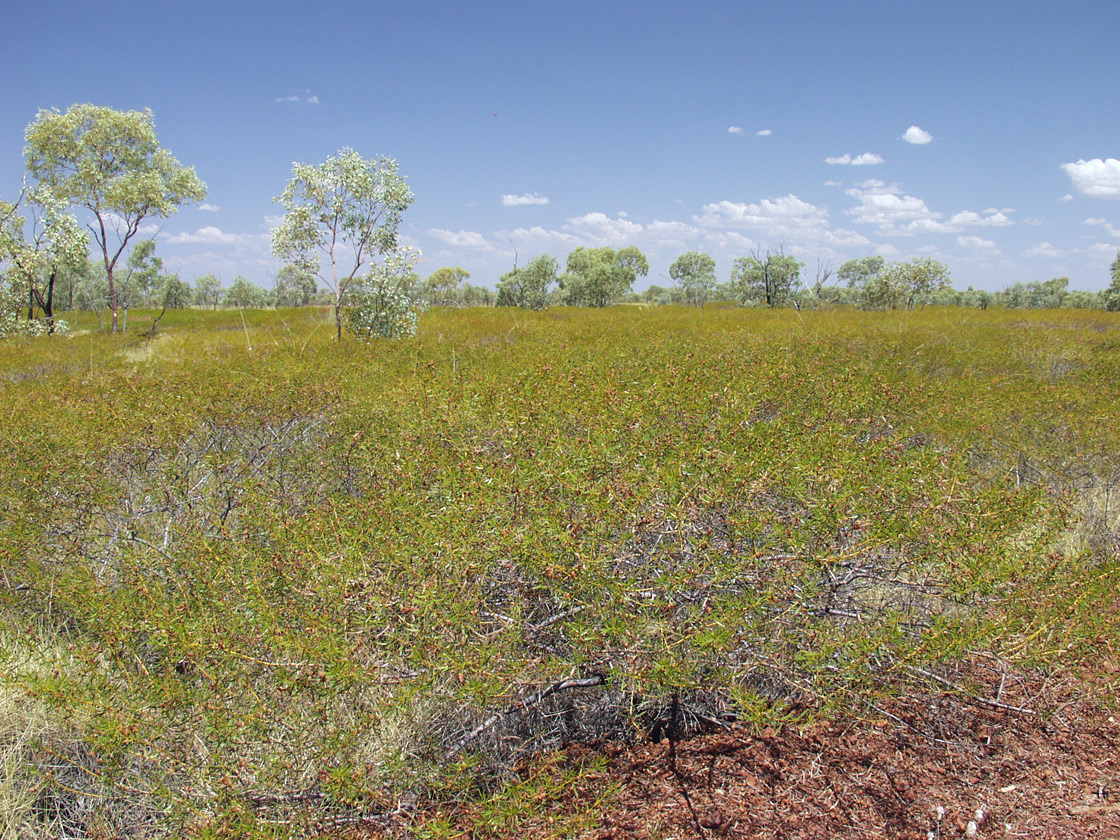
(534, 700)
(987, 702)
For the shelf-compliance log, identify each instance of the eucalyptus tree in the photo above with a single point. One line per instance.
(601, 276)
(695, 273)
(348, 210)
(207, 291)
(444, 285)
(856, 273)
(110, 163)
(294, 286)
(528, 287)
(769, 279)
(1111, 295)
(56, 245)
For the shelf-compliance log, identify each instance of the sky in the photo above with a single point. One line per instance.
(984, 134)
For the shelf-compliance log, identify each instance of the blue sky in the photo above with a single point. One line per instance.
(529, 128)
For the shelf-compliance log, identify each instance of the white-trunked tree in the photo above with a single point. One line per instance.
(347, 209)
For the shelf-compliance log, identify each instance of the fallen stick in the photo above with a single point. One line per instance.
(534, 700)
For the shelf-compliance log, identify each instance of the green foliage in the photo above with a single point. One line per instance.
(244, 294)
(346, 209)
(382, 306)
(899, 285)
(56, 247)
(445, 286)
(528, 287)
(294, 286)
(319, 581)
(601, 276)
(174, 293)
(695, 274)
(856, 273)
(207, 291)
(110, 163)
(769, 280)
(1111, 295)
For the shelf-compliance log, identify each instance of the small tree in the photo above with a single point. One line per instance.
(856, 273)
(207, 291)
(110, 163)
(601, 276)
(174, 293)
(245, 295)
(57, 246)
(444, 284)
(1111, 295)
(528, 287)
(381, 305)
(769, 279)
(294, 286)
(900, 285)
(695, 273)
(347, 209)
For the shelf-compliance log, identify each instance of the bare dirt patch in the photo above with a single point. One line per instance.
(930, 765)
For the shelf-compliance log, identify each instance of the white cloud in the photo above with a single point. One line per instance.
(967, 217)
(866, 159)
(1102, 248)
(1104, 223)
(1097, 178)
(302, 96)
(1067, 197)
(917, 136)
(975, 243)
(598, 227)
(893, 213)
(209, 208)
(522, 200)
(462, 239)
(765, 132)
(1042, 249)
(788, 213)
(735, 129)
(211, 235)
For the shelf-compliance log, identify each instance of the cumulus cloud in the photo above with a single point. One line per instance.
(866, 159)
(209, 208)
(975, 243)
(462, 239)
(1067, 197)
(893, 212)
(995, 218)
(735, 129)
(522, 200)
(788, 213)
(1097, 178)
(600, 228)
(1104, 223)
(211, 235)
(764, 132)
(1042, 249)
(917, 136)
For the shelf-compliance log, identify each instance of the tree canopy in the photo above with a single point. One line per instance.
(110, 163)
(348, 210)
(695, 273)
(768, 279)
(601, 276)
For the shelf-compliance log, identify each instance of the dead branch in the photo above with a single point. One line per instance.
(532, 702)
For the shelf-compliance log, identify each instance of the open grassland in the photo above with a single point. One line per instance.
(259, 583)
